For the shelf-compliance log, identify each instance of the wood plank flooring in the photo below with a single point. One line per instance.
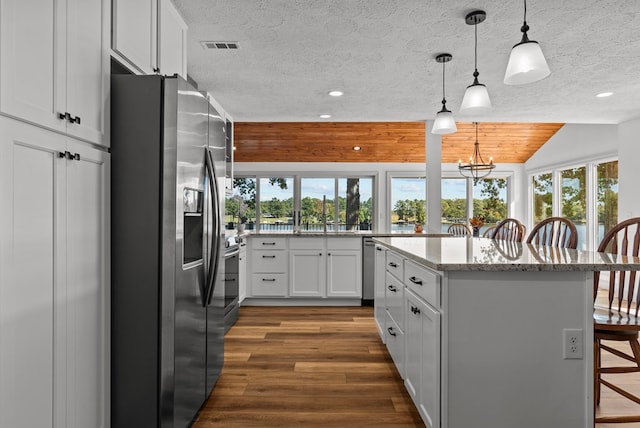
(307, 366)
(325, 367)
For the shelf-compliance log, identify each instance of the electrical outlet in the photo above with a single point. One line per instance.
(573, 344)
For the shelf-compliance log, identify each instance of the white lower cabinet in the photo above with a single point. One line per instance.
(310, 266)
(54, 280)
(307, 274)
(242, 272)
(395, 340)
(268, 267)
(344, 273)
(422, 363)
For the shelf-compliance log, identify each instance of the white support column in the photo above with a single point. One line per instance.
(433, 151)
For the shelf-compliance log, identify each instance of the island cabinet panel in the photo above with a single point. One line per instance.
(379, 303)
(482, 336)
(422, 364)
(394, 338)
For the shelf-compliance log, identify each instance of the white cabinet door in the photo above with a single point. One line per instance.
(172, 34)
(54, 66)
(422, 364)
(307, 273)
(413, 333)
(32, 61)
(242, 272)
(87, 213)
(344, 273)
(134, 34)
(54, 294)
(379, 304)
(88, 69)
(32, 277)
(430, 380)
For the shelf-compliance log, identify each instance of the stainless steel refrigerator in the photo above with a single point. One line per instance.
(168, 172)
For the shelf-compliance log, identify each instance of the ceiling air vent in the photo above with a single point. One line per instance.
(220, 45)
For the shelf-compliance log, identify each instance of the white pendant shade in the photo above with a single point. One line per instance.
(526, 64)
(444, 123)
(476, 100)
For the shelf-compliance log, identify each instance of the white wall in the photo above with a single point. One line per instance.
(575, 143)
(628, 169)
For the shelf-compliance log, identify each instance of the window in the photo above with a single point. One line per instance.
(585, 194)
(574, 200)
(407, 196)
(607, 206)
(241, 206)
(490, 200)
(316, 203)
(453, 202)
(542, 197)
(355, 203)
(273, 202)
(276, 203)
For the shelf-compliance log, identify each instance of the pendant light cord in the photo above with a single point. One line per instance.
(443, 97)
(475, 50)
(525, 12)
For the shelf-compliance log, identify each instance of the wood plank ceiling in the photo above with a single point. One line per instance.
(383, 141)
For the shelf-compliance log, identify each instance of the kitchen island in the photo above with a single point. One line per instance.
(491, 333)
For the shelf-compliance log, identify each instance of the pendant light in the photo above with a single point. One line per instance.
(444, 123)
(476, 97)
(477, 168)
(526, 62)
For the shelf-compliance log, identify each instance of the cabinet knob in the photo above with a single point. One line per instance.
(392, 288)
(156, 69)
(393, 265)
(391, 332)
(319, 254)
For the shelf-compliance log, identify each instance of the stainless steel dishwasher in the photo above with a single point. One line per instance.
(368, 270)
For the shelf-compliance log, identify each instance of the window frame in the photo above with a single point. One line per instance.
(591, 196)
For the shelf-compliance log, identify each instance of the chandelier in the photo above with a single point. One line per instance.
(477, 168)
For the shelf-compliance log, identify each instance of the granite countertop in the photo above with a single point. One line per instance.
(482, 254)
(357, 234)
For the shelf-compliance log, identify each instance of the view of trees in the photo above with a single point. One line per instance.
(352, 210)
(608, 194)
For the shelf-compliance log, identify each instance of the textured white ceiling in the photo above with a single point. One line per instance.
(381, 54)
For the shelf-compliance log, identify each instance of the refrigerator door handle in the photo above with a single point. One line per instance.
(212, 266)
(214, 254)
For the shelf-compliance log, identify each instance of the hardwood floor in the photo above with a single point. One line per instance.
(307, 366)
(325, 367)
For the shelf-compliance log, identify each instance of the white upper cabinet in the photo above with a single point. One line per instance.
(150, 35)
(54, 65)
(172, 36)
(135, 29)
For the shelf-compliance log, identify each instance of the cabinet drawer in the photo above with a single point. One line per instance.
(265, 243)
(265, 284)
(394, 264)
(394, 338)
(334, 243)
(269, 261)
(394, 297)
(305, 243)
(424, 282)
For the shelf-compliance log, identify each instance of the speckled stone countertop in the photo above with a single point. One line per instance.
(482, 254)
(359, 234)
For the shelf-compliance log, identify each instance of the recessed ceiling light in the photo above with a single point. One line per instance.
(604, 94)
(325, 116)
(357, 148)
(336, 93)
